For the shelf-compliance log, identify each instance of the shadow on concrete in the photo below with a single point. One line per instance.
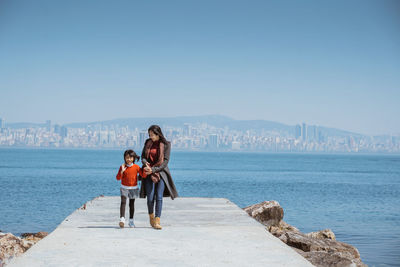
(114, 227)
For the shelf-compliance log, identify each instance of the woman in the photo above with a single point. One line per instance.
(158, 183)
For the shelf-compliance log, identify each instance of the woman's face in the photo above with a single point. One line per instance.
(153, 136)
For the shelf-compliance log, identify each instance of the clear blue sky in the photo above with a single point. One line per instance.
(331, 63)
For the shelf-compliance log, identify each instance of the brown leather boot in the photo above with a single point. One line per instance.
(151, 217)
(157, 223)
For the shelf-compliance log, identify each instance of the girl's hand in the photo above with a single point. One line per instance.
(123, 168)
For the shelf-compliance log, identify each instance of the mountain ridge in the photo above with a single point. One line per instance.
(219, 121)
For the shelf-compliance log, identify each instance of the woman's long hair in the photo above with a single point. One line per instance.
(157, 130)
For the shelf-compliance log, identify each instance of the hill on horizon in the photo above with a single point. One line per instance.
(218, 121)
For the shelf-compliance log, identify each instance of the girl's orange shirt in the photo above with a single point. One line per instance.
(130, 175)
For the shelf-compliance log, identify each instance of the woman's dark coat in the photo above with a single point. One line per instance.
(170, 190)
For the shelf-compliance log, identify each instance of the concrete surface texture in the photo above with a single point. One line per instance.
(196, 232)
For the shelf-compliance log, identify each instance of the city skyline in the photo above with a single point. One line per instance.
(324, 63)
(209, 133)
(159, 120)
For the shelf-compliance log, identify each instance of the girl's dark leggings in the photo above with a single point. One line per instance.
(131, 207)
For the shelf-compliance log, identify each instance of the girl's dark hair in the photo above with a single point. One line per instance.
(157, 130)
(132, 154)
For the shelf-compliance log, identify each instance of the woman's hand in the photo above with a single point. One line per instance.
(147, 169)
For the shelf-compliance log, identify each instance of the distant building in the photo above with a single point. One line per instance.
(297, 131)
(304, 132)
(312, 132)
(315, 132)
(193, 131)
(213, 141)
(48, 125)
(103, 138)
(57, 129)
(320, 137)
(64, 132)
(188, 143)
(111, 137)
(187, 129)
(235, 145)
(202, 141)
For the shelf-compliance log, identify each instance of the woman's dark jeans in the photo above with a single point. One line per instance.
(154, 191)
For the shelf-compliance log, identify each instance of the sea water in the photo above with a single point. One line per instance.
(356, 196)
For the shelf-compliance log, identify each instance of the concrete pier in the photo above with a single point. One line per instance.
(196, 232)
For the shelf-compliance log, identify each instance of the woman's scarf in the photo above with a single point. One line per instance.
(155, 177)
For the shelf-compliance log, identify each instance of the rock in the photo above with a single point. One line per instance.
(269, 213)
(306, 243)
(281, 229)
(326, 259)
(327, 233)
(324, 252)
(283, 238)
(276, 231)
(34, 237)
(11, 246)
(287, 227)
(320, 248)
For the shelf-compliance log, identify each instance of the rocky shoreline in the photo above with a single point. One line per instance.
(320, 248)
(12, 246)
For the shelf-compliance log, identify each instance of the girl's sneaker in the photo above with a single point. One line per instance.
(131, 224)
(122, 222)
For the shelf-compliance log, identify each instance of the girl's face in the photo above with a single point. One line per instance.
(153, 136)
(128, 160)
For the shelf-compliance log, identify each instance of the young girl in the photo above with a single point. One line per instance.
(128, 173)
